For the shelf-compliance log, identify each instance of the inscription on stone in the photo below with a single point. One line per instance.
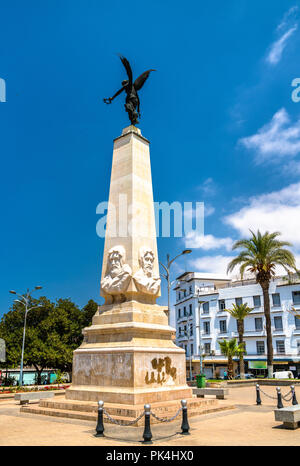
(164, 370)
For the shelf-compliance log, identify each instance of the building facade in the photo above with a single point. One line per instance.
(202, 321)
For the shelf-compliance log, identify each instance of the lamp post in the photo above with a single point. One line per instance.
(200, 337)
(24, 300)
(188, 334)
(167, 275)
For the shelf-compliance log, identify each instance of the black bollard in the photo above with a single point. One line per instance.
(100, 426)
(185, 425)
(147, 435)
(294, 402)
(258, 400)
(279, 400)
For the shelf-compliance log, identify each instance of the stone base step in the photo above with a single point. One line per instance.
(123, 414)
(160, 408)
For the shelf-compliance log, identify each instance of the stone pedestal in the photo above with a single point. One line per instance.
(128, 356)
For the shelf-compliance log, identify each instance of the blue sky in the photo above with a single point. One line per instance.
(218, 112)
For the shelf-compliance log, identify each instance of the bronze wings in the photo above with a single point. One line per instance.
(139, 82)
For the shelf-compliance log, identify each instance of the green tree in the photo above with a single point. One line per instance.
(260, 254)
(230, 349)
(239, 312)
(53, 332)
(88, 312)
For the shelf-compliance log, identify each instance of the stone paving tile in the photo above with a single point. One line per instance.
(247, 424)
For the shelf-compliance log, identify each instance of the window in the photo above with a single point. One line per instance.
(298, 346)
(184, 311)
(206, 326)
(191, 309)
(296, 297)
(256, 301)
(179, 313)
(280, 346)
(192, 349)
(276, 299)
(191, 289)
(184, 330)
(258, 323)
(223, 328)
(297, 323)
(207, 348)
(206, 308)
(184, 293)
(278, 323)
(260, 347)
(221, 304)
(238, 301)
(191, 329)
(179, 330)
(179, 296)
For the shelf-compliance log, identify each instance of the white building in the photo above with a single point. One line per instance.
(201, 321)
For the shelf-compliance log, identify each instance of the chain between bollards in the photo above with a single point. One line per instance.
(100, 425)
(185, 425)
(147, 435)
(258, 400)
(279, 399)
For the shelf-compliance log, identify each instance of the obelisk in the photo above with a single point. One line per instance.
(128, 355)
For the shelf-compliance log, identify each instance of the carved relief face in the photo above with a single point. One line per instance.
(115, 262)
(147, 263)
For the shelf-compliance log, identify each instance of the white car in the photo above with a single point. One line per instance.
(283, 375)
(247, 376)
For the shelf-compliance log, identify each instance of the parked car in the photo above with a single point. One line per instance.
(283, 375)
(247, 376)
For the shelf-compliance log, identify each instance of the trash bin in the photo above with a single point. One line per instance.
(200, 380)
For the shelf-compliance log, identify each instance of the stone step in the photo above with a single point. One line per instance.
(74, 414)
(203, 408)
(161, 409)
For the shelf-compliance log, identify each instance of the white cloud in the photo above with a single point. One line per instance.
(276, 139)
(190, 213)
(208, 210)
(275, 211)
(290, 15)
(212, 264)
(195, 240)
(279, 45)
(208, 187)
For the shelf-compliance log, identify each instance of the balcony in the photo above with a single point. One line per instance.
(182, 337)
(251, 333)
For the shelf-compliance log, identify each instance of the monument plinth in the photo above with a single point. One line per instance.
(128, 355)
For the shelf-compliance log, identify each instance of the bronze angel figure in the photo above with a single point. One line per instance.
(132, 103)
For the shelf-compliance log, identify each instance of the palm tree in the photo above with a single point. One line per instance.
(230, 349)
(260, 254)
(239, 312)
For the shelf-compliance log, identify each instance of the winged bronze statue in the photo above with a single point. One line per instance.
(132, 103)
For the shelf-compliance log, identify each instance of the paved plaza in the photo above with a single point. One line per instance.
(246, 424)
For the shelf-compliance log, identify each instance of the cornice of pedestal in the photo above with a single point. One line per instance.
(134, 131)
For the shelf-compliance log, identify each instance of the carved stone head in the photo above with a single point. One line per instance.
(146, 260)
(116, 258)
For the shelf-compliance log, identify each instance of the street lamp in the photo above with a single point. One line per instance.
(200, 338)
(24, 300)
(188, 335)
(167, 275)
